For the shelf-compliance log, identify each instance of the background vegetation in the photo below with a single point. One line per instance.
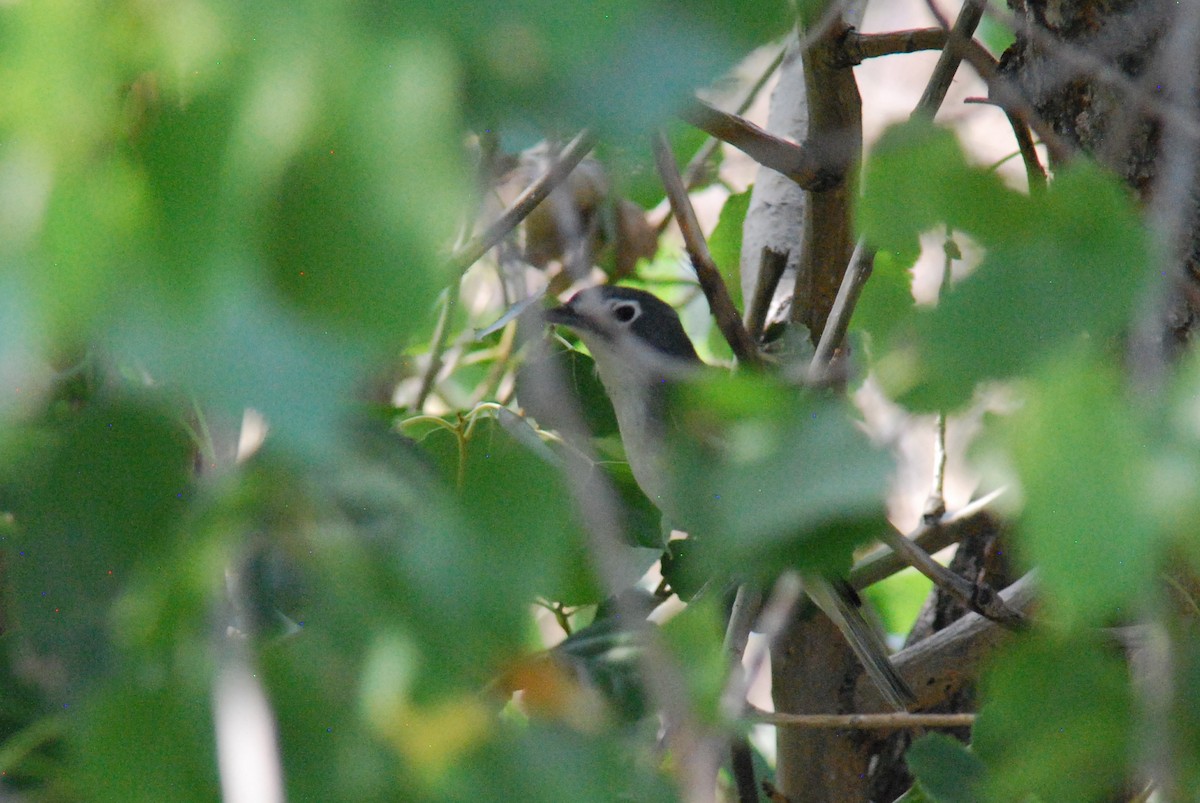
(283, 516)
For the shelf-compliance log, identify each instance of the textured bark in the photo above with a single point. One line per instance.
(1095, 71)
(835, 128)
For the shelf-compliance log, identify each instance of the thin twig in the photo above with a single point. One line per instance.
(893, 721)
(935, 505)
(884, 562)
(568, 159)
(1035, 174)
(838, 322)
(437, 349)
(952, 54)
(797, 162)
(729, 321)
(979, 597)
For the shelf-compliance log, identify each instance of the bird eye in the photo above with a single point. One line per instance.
(625, 313)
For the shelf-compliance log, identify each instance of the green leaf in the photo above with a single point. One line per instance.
(139, 742)
(725, 243)
(947, 770)
(1087, 529)
(579, 372)
(887, 300)
(1059, 265)
(100, 502)
(618, 65)
(1057, 721)
(763, 470)
(694, 638)
(917, 177)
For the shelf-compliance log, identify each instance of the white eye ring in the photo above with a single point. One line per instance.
(625, 312)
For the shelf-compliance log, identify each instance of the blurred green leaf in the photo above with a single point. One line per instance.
(946, 769)
(145, 743)
(694, 638)
(618, 65)
(1087, 530)
(1057, 720)
(102, 500)
(918, 177)
(764, 470)
(1059, 265)
(887, 300)
(548, 764)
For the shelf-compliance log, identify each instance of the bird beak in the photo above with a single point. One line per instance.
(563, 316)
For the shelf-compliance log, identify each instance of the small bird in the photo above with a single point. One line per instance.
(640, 348)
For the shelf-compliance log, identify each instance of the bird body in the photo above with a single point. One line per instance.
(640, 347)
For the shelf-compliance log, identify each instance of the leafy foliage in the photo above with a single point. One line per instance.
(209, 207)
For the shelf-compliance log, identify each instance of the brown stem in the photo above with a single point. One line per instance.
(729, 321)
(534, 194)
(858, 47)
(800, 163)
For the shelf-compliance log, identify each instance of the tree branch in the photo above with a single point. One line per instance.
(892, 721)
(800, 163)
(727, 317)
(534, 194)
(940, 665)
(858, 47)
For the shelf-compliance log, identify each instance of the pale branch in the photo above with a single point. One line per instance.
(938, 666)
(935, 504)
(979, 597)
(729, 321)
(568, 159)
(798, 162)
(895, 720)
(884, 561)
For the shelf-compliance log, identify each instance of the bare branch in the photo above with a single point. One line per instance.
(728, 319)
(534, 194)
(858, 47)
(937, 667)
(896, 720)
(797, 162)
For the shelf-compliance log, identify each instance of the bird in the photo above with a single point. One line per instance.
(640, 350)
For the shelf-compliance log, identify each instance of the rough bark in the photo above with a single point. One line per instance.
(1100, 73)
